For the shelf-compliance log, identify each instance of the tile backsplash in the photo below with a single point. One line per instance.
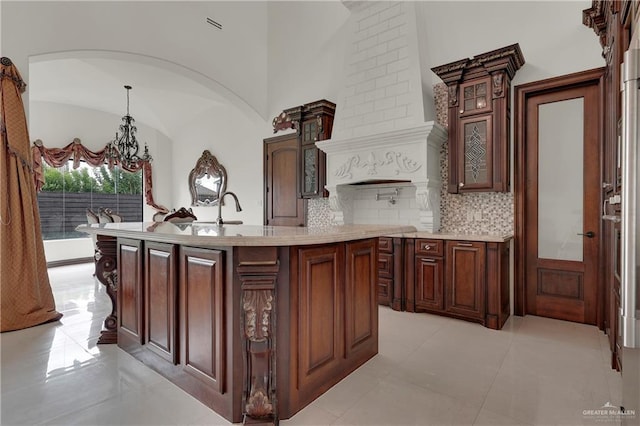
(481, 212)
(476, 213)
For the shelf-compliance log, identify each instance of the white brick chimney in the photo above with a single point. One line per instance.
(380, 132)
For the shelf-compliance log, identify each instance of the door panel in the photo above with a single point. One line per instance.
(282, 205)
(562, 203)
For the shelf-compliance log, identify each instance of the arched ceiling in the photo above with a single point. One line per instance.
(160, 98)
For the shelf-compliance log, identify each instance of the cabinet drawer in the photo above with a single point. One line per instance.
(385, 288)
(429, 247)
(385, 265)
(385, 244)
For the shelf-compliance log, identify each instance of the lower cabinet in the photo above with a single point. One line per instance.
(202, 311)
(385, 270)
(205, 319)
(463, 279)
(391, 272)
(466, 279)
(172, 315)
(334, 314)
(130, 293)
(160, 301)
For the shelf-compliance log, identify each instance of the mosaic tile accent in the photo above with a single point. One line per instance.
(319, 213)
(482, 212)
(476, 213)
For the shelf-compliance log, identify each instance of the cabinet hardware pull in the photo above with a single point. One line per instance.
(465, 244)
(426, 259)
(426, 247)
(461, 184)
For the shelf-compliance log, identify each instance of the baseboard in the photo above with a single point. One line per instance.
(67, 262)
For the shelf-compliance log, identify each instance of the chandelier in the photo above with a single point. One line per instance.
(124, 148)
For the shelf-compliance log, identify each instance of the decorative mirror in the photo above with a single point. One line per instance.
(207, 181)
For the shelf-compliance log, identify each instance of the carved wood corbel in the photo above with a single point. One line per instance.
(258, 298)
(107, 273)
(497, 83)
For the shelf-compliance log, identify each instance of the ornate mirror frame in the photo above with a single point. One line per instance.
(207, 165)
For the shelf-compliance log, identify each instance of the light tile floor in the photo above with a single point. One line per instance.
(430, 371)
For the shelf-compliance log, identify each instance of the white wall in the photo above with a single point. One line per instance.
(550, 33)
(306, 52)
(237, 144)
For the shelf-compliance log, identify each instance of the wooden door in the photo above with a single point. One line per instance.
(282, 207)
(561, 186)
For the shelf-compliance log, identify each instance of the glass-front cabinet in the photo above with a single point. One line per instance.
(313, 122)
(479, 118)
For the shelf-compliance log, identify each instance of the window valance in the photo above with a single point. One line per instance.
(57, 157)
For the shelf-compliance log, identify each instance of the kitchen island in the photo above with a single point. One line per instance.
(254, 321)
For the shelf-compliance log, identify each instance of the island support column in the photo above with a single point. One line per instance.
(106, 259)
(258, 269)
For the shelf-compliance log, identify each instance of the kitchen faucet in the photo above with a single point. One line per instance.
(219, 220)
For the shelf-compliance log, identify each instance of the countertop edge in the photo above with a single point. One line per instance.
(490, 238)
(289, 236)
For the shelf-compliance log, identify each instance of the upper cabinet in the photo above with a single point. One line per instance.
(313, 122)
(479, 119)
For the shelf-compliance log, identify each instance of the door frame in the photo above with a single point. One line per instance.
(521, 95)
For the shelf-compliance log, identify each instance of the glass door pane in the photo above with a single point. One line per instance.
(560, 180)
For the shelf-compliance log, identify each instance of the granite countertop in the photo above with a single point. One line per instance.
(208, 234)
(489, 238)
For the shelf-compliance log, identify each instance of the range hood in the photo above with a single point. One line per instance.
(407, 155)
(380, 131)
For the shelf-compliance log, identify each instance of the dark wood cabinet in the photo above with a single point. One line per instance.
(385, 270)
(463, 279)
(429, 275)
(479, 119)
(360, 302)
(391, 272)
(249, 329)
(202, 315)
(160, 303)
(333, 314)
(130, 292)
(466, 279)
(321, 315)
(313, 122)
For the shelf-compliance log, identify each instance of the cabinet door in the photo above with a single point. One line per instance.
(160, 301)
(130, 292)
(361, 310)
(312, 160)
(429, 291)
(475, 97)
(202, 315)
(475, 153)
(465, 288)
(282, 205)
(385, 278)
(320, 301)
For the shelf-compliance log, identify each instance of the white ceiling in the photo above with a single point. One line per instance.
(160, 98)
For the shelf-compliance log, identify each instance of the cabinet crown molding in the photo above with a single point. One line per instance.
(509, 59)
